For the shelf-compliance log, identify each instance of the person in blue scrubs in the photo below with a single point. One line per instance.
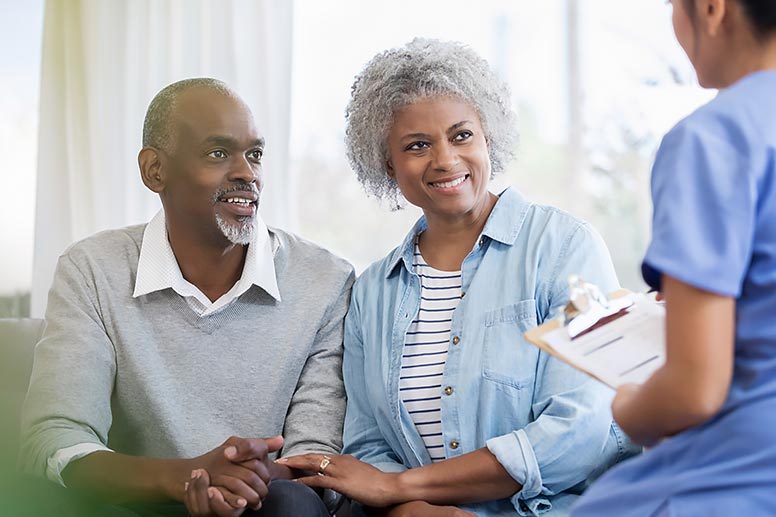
(709, 413)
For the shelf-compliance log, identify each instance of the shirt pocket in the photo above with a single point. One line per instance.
(508, 359)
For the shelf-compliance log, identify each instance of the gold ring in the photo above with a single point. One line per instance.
(324, 463)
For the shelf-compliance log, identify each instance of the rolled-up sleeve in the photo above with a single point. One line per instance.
(567, 441)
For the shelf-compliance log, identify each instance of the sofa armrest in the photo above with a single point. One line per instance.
(17, 346)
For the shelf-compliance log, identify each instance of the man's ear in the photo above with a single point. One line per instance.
(151, 171)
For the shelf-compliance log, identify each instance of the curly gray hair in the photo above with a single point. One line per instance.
(421, 69)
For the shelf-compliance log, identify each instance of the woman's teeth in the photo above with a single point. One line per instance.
(450, 184)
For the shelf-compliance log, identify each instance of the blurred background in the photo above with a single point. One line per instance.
(595, 84)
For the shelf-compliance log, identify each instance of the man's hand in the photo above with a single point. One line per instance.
(240, 450)
(239, 470)
(240, 466)
(203, 500)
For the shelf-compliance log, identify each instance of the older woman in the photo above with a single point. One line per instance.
(447, 403)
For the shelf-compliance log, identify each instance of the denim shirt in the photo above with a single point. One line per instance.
(549, 425)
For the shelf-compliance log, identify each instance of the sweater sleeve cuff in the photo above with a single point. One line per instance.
(61, 459)
(516, 455)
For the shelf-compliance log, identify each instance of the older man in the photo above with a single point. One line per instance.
(164, 340)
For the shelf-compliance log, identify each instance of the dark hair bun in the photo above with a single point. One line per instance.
(762, 15)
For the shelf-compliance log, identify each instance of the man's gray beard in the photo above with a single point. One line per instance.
(241, 233)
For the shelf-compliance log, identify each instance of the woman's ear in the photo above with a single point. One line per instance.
(389, 169)
(151, 170)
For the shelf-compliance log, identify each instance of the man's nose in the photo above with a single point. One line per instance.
(245, 171)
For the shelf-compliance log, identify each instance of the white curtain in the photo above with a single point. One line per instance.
(103, 61)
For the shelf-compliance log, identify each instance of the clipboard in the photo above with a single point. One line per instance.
(621, 342)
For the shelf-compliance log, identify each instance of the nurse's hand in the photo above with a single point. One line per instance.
(348, 476)
(622, 400)
(624, 395)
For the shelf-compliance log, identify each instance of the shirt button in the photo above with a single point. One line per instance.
(449, 390)
(454, 444)
(456, 340)
(482, 241)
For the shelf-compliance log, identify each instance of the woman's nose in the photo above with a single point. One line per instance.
(445, 157)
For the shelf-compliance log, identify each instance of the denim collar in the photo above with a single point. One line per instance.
(503, 225)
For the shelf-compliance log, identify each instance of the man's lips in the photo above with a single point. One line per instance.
(239, 202)
(239, 196)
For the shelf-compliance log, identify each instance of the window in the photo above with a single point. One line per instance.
(21, 28)
(595, 85)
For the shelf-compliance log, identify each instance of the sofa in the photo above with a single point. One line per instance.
(17, 344)
(19, 495)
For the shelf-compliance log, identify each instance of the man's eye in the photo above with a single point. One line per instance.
(218, 154)
(463, 135)
(256, 155)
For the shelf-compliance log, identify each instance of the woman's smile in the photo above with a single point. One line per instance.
(439, 157)
(449, 185)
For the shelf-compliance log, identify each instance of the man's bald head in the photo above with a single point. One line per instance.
(158, 127)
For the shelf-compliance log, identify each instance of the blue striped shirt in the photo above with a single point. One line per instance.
(425, 352)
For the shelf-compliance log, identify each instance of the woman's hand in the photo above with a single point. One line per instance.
(424, 509)
(348, 476)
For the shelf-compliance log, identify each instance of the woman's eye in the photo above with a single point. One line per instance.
(463, 135)
(217, 154)
(416, 146)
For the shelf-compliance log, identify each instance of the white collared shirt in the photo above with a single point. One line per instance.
(158, 269)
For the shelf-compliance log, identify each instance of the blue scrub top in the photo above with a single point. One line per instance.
(714, 227)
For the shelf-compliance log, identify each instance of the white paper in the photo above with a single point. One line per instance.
(626, 350)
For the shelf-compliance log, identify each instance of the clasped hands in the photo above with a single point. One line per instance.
(235, 476)
(231, 478)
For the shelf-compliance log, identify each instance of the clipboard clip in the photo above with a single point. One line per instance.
(588, 307)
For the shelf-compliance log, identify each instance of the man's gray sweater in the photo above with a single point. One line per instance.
(146, 376)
